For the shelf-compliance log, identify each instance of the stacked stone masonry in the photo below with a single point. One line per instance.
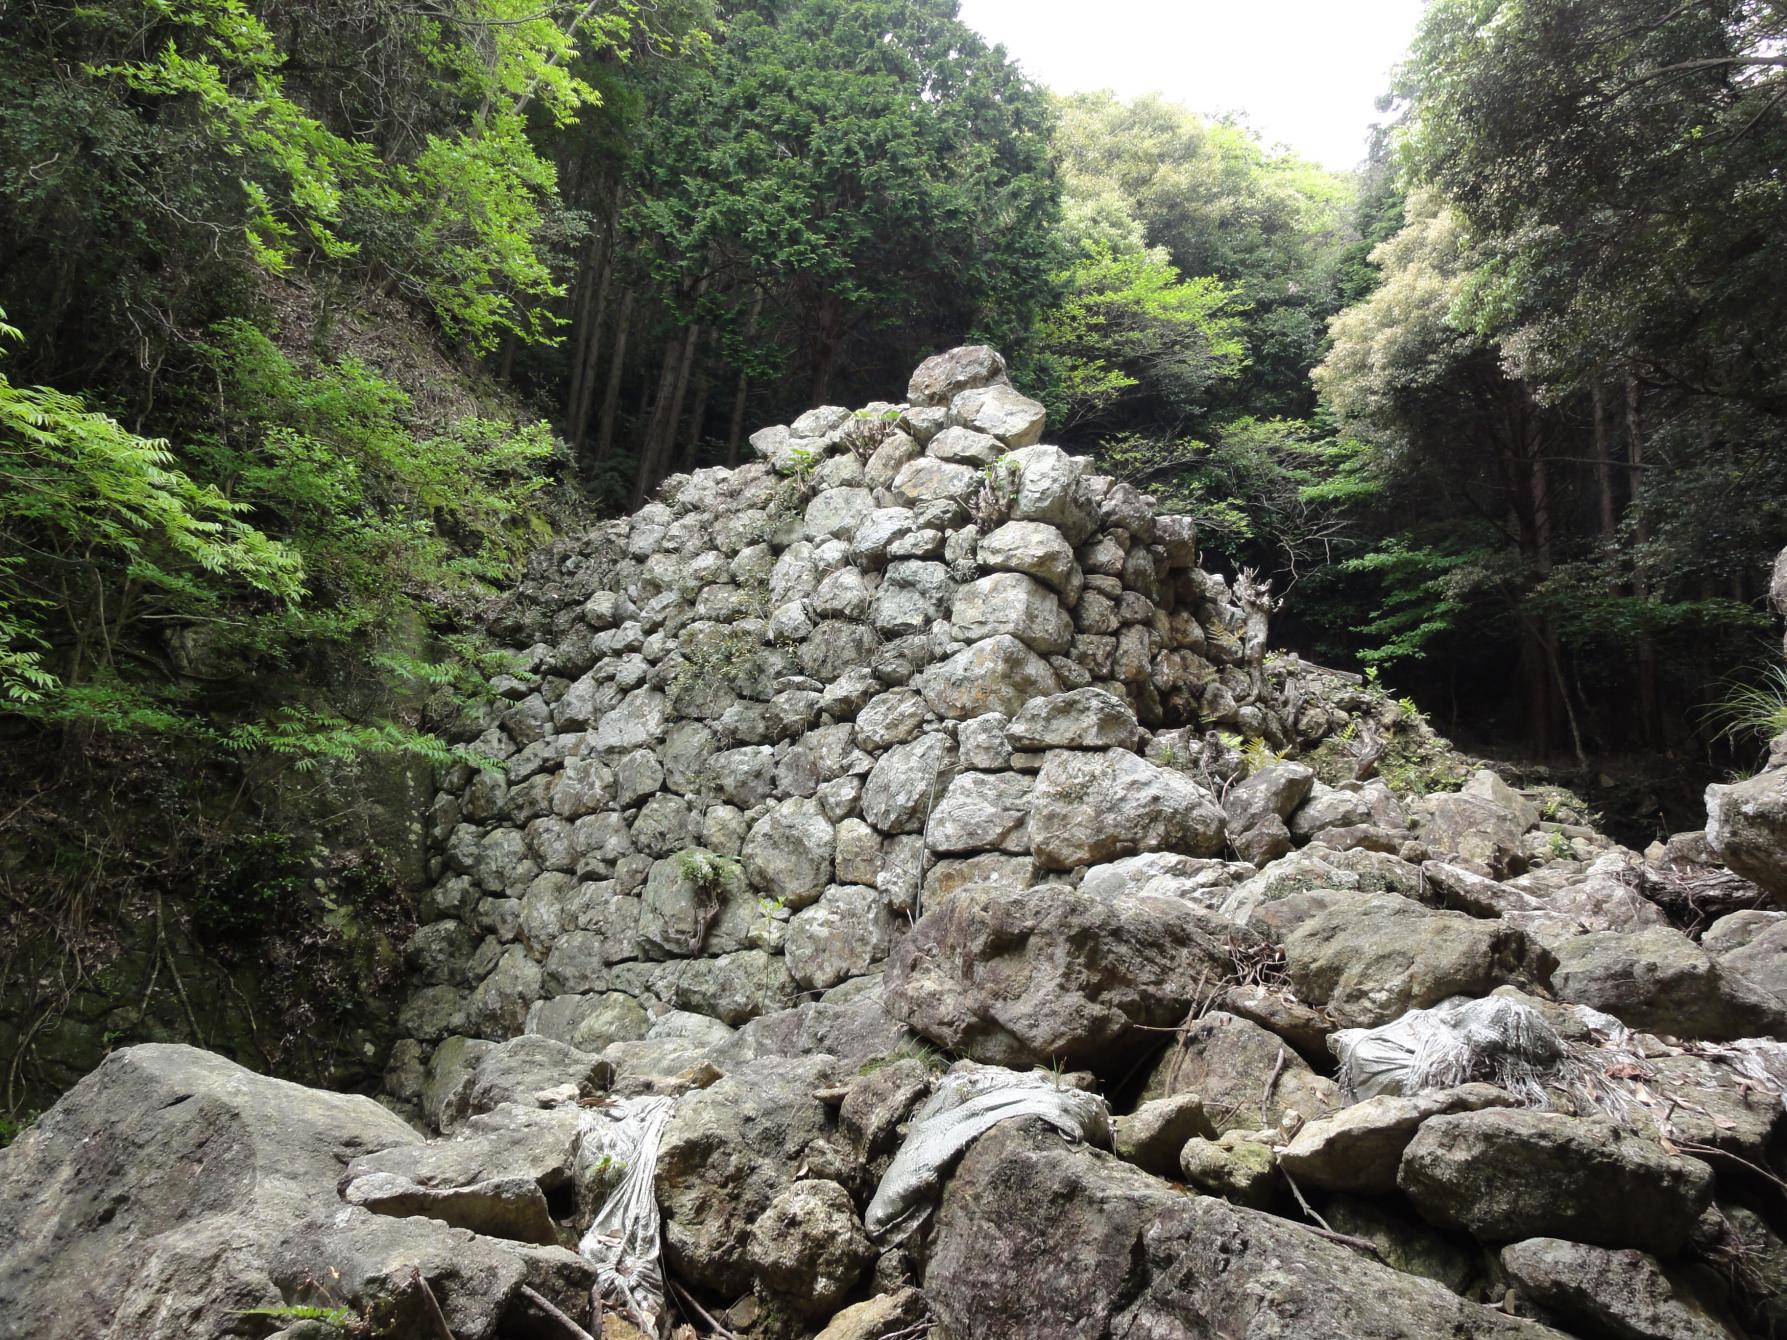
(769, 719)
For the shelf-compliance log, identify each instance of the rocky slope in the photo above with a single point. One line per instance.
(841, 793)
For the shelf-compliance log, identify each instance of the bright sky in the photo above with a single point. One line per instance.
(1304, 72)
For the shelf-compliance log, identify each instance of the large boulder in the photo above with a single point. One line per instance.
(999, 674)
(1369, 958)
(1246, 1077)
(1746, 827)
(1127, 1255)
(1095, 806)
(1082, 719)
(1360, 1148)
(942, 377)
(150, 1200)
(1011, 602)
(809, 1247)
(1023, 977)
(1605, 1291)
(1661, 981)
(729, 1151)
(1502, 1174)
(999, 411)
(1030, 547)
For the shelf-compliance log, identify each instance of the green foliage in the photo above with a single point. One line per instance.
(1750, 711)
(1130, 337)
(330, 1316)
(868, 176)
(108, 507)
(1420, 597)
(381, 516)
(1268, 226)
(1620, 162)
(224, 155)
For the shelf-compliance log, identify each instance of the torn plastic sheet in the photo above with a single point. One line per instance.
(1603, 1066)
(969, 1102)
(623, 1242)
(1455, 1042)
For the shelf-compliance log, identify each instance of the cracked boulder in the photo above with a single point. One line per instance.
(1128, 1256)
(1038, 976)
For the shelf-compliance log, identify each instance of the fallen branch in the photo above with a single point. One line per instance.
(1271, 1084)
(687, 1300)
(1344, 1239)
(434, 1304)
(545, 1305)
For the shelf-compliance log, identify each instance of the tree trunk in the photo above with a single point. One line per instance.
(1650, 714)
(617, 363)
(655, 429)
(592, 314)
(825, 347)
(735, 430)
(697, 421)
(1604, 466)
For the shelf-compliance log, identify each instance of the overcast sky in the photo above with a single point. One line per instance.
(1305, 72)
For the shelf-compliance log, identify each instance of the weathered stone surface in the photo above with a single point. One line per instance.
(927, 479)
(1275, 791)
(842, 935)
(1369, 958)
(1128, 1256)
(880, 1318)
(636, 723)
(835, 513)
(851, 1022)
(1360, 1147)
(1022, 977)
(1031, 547)
(809, 1247)
(1620, 1293)
(1503, 1174)
(788, 854)
(1228, 1061)
(905, 781)
(516, 1070)
(589, 1022)
(1473, 828)
(182, 1164)
(1178, 874)
(982, 811)
(999, 411)
(1082, 719)
(1051, 488)
(725, 1156)
(1235, 1167)
(1000, 674)
(732, 988)
(1091, 807)
(965, 446)
(1746, 828)
(942, 377)
(1662, 982)
(890, 718)
(1010, 602)
(349, 1256)
(1152, 1136)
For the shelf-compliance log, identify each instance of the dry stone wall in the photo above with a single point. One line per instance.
(769, 719)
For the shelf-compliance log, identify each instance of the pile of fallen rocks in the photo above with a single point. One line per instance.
(908, 812)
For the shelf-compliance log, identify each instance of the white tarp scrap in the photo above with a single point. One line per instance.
(1455, 1042)
(623, 1242)
(1603, 1066)
(968, 1103)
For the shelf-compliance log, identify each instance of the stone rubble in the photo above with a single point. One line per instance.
(916, 742)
